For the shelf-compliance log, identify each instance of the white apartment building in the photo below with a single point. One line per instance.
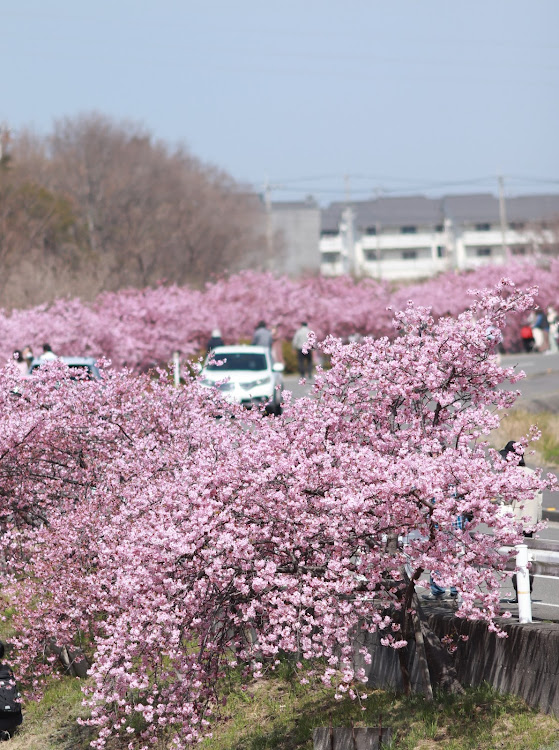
(415, 237)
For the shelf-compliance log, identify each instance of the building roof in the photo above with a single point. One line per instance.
(305, 205)
(533, 208)
(420, 210)
(411, 209)
(477, 207)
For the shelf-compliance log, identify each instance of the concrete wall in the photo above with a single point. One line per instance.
(526, 663)
(298, 227)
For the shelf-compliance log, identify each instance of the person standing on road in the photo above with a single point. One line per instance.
(214, 340)
(262, 336)
(527, 337)
(21, 364)
(553, 320)
(531, 509)
(47, 353)
(437, 592)
(540, 329)
(304, 359)
(27, 354)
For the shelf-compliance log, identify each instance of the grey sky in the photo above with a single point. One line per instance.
(401, 95)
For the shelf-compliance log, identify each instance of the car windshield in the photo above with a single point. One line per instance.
(84, 371)
(239, 361)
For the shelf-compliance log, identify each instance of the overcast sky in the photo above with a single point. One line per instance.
(316, 96)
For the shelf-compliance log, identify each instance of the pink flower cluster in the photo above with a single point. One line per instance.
(171, 542)
(140, 328)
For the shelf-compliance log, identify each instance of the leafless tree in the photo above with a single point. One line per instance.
(151, 213)
(99, 204)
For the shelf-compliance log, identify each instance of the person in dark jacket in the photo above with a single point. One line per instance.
(215, 340)
(10, 705)
(531, 509)
(262, 336)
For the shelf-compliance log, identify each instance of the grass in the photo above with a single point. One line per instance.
(517, 422)
(278, 713)
(51, 723)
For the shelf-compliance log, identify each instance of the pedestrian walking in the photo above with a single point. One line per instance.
(214, 340)
(21, 364)
(531, 509)
(304, 358)
(47, 353)
(438, 592)
(553, 320)
(27, 355)
(527, 337)
(540, 330)
(262, 336)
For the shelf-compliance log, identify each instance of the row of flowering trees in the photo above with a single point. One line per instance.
(170, 542)
(138, 328)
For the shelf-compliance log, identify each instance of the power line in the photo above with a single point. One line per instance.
(378, 184)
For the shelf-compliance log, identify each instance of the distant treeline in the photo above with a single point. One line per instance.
(99, 205)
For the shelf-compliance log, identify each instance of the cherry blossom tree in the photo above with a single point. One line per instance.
(142, 328)
(170, 542)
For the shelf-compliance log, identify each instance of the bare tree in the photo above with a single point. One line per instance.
(151, 212)
(99, 204)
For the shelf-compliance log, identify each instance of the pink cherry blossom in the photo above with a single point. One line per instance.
(143, 524)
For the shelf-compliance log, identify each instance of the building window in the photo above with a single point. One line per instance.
(518, 250)
(370, 254)
(408, 230)
(483, 252)
(483, 227)
(330, 257)
(409, 254)
(516, 225)
(440, 251)
(329, 233)
(439, 228)
(370, 230)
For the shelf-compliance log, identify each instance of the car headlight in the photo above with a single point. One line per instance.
(255, 383)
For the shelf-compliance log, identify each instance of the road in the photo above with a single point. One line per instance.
(539, 393)
(540, 388)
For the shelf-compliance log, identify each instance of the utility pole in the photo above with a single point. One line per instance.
(503, 216)
(269, 228)
(347, 188)
(378, 191)
(348, 220)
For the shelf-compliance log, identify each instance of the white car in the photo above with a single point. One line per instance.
(85, 364)
(245, 375)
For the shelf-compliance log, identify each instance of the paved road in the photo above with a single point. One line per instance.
(540, 388)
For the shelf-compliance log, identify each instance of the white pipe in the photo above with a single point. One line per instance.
(523, 584)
